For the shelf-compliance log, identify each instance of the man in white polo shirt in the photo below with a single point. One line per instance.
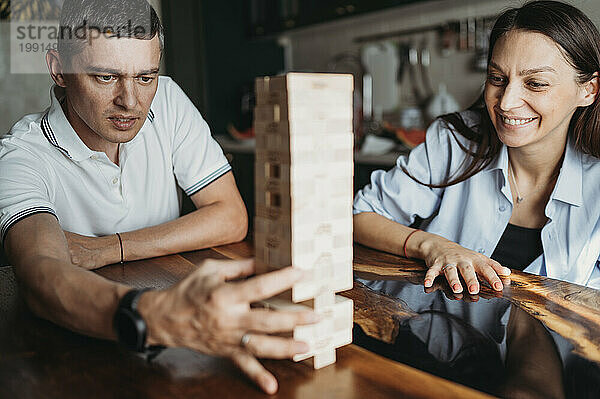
(96, 180)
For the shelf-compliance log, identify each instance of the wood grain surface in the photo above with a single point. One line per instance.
(41, 360)
(571, 310)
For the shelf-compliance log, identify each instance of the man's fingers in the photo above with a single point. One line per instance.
(270, 321)
(255, 371)
(274, 347)
(232, 269)
(266, 285)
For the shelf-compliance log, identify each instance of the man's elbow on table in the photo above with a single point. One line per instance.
(239, 223)
(234, 221)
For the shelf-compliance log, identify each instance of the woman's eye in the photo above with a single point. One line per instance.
(536, 85)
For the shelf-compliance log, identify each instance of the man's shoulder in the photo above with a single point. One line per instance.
(168, 90)
(172, 109)
(26, 137)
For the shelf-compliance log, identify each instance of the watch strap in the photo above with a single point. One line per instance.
(128, 303)
(131, 298)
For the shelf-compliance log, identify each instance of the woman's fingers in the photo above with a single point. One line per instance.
(451, 273)
(432, 273)
(499, 269)
(468, 274)
(490, 275)
(472, 267)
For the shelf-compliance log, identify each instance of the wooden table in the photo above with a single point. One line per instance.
(41, 360)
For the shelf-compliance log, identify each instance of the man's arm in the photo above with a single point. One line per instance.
(220, 218)
(54, 288)
(205, 311)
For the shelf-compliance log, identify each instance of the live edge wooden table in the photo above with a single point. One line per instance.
(41, 360)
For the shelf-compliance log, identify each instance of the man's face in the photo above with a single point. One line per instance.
(111, 87)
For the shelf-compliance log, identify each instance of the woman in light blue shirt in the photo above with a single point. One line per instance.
(513, 181)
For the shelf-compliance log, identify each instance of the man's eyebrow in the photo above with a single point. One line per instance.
(148, 72)
(526, 72)
(495, 66)
(110, 71)
(106, 71)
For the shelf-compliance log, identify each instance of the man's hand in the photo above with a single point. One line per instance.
(209, 313)
(93, 252)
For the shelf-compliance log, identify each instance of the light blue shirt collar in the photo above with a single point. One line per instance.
(569, 187)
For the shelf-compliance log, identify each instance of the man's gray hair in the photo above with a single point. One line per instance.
(83, 20)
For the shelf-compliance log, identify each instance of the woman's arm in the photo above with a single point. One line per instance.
(441, 256)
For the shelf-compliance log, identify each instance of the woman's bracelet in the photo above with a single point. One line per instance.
(405, 241)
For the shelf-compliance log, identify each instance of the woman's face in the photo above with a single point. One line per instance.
(531, 91)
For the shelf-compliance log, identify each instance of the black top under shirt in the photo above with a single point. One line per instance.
(518, 247)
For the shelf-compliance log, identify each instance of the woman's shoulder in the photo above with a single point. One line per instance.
(456, 131)
(591, 170)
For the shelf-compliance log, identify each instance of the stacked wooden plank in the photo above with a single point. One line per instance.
(304, 189)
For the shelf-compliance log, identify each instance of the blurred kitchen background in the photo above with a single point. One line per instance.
(412, 60)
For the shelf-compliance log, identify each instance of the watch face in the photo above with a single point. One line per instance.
(131, 329)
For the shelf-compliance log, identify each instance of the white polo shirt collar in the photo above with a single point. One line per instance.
(58, 130)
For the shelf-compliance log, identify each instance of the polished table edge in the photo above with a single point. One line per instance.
(551, 301)
(572, 310)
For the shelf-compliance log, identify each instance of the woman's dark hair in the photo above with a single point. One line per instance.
(578, 39)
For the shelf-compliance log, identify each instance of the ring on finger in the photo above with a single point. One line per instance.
(443, 270)
(245, 340)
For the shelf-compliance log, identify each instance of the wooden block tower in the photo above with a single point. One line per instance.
(304, 189)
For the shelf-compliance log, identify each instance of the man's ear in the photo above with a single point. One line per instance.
(55, 67)
(590, 91)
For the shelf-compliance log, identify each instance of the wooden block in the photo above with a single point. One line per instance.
(304, 88)
(274, 156)
(320, 82)
(270, 89)
(322, 127)
(304, 190)
(271, 113)
(333, 331)
(318, 113)
(278, 128)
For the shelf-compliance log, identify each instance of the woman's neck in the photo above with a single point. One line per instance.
(539, 162)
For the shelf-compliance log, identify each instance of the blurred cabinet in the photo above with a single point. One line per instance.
(267, 17)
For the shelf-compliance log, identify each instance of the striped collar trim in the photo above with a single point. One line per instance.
(49, 134)
(151, 115)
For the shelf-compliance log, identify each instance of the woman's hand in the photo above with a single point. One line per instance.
(450, 259)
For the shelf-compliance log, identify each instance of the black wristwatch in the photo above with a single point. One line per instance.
(129, 325)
